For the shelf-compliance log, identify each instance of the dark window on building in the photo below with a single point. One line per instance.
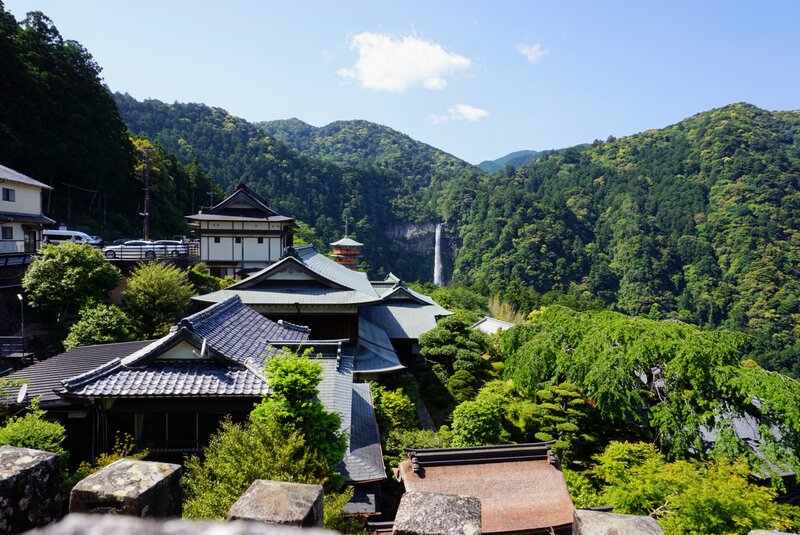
(8, 233)
(9, 195)
(238, 240)
(261, 240)
(216, 239)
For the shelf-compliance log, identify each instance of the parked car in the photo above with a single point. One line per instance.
(174, 247)
(58, 236)
(134, 250)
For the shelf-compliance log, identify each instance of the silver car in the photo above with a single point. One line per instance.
(135, 250)
(174, 247)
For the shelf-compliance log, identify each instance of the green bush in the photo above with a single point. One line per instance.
(477, 423)
(156, 297)
(99, 324)
(393, 409)
(33, 431)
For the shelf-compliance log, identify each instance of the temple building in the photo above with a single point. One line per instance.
(347, 252)
(241, 234)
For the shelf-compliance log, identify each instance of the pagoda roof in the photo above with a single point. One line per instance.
(347, 242)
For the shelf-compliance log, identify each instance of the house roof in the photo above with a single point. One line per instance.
(347, 242)
(364, 458)
(6, 173)
(235, 339)
(491, 325)
(374, 352)
(302, 276)
(520, 486)
(45, 377)
(245, 218)
(16, 217)
(402, 320)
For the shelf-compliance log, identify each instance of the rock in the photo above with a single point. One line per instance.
(130, 487)
(79, 524)
(597, 523)
(29, 489)
(280, 502)
(767, 532)
(429, 513)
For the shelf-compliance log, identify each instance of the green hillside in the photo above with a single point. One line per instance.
(514, 159)
(699, 221)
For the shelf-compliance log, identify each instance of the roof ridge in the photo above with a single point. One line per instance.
(192, 321)
(94, 373)
(294, 326)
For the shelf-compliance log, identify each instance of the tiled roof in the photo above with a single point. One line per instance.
(239, 332)
(321, 264)
(364, 459)
(402, 320)
(7, 173)
(14, 217)
(174, 379)
(223, 217)
(45, 377)
(289, 295)
(374, 352)
(491, 325)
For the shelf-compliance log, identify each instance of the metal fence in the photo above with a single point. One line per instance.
(152, 252)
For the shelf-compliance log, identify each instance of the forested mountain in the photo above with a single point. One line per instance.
(699, 222)
(358, 143)
(514, 159)
(320, 192)
(59, 124)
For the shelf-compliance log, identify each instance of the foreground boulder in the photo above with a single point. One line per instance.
(280, 502)
(597, 523)
(79, 524)
(429, 513)
(130, 487)
(29, 489)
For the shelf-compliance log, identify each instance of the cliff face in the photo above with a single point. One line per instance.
(420, 240)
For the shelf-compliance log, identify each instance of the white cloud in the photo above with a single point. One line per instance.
(534, 52)
(460, 112)
(386, 63)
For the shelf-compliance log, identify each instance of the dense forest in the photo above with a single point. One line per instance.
(372, 192)
(60, 125)
(696, 222)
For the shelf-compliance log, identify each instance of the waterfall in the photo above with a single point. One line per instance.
(437, 257)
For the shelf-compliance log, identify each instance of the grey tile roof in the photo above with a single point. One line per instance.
(223, 217)
(14, 217)
(7, 173)
(347, 242)
(324, 266)
(402, 320)
(364, 459)
(364, 500)
(45, 377)
(289, 295)
(172, 379)
(374, 352)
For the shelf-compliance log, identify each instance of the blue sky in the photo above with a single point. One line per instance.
(478, 79)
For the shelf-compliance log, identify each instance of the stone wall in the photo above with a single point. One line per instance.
(29, 489)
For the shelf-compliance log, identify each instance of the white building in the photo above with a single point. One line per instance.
(21, 218)
(241, 234)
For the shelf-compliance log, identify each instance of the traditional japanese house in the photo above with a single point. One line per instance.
(520, 486)
(171, 393)
(21, 217)
(241, 234)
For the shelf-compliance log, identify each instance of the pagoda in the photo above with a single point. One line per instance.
(347, 252)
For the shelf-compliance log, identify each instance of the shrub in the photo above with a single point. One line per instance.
(156, 297)
(99, 324)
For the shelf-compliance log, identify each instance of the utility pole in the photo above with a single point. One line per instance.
(146, 213)
(211, 198)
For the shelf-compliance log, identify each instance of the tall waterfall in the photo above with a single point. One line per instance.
(438, 280)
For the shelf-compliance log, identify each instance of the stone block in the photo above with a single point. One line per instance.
(130, 487)
(767, 532)
(29, 489)
(280, 502)
(80, 524)
(429, 513)
(598, 523)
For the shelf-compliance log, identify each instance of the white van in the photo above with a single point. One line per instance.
(57, 236)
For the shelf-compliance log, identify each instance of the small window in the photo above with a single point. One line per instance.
(9, 195)
(261, 240)
(8, 233)
(216, 239)
(238, 240)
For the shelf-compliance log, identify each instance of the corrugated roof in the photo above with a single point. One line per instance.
(44, 377)
(6, 173)
(516, 495)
